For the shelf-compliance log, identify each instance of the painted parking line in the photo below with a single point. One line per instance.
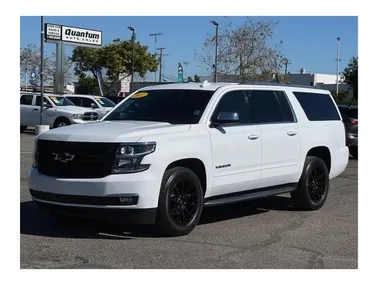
(26, 152)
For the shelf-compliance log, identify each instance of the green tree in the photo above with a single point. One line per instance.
(197, 78)
(351, 76)
(87, 85)
(116, 59)
(343, 97)
(190, 79)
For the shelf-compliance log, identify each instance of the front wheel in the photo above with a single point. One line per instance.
(313, 187)
(61, 122)
(180, 203)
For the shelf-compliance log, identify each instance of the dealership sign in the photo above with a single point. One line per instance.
(73, 36)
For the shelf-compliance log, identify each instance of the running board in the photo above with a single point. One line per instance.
(248, 195)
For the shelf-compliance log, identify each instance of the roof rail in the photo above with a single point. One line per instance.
(277, 84)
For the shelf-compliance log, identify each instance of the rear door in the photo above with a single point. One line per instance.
(281, 143)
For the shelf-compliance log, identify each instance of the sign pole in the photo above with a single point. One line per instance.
(42, 68)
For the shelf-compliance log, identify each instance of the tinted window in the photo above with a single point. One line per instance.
(26, 99)
(38, 101)
(268, 107)
(170, 105)
(233, 102)
(75, 100)
(317, 107)
(86, 102)
(350, 113)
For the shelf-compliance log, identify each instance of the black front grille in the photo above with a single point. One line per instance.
(85, 200)
(90, 116)
(75, 159)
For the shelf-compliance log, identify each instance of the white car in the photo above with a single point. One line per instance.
(58, 111)
(168, 151)
(101, 105)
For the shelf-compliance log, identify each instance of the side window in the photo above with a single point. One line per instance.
(86, 102)
(26, 99)
(75, 100)
(317, 107)
(234, 102)
(38, 101)
(267, 106)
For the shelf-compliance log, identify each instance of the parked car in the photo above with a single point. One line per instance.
(350, 118)
(58, 111)
(100, 104)
(168, 151)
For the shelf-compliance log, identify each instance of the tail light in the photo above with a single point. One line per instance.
(350, 123)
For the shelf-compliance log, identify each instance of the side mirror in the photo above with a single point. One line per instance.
(94, 106)
(226, 118)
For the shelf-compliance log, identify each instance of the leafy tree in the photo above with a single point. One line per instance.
(190, 79)
(244, 51)
(351, 76)
(343, 97)
(197, 78)
(116, 59)
(87, 85)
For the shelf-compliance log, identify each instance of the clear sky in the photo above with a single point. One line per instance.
(308, 42)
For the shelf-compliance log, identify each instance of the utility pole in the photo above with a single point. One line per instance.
(155, 35)
(216, 50)
(337, 65)
(161, 57)
(42, 68)
(133, 55)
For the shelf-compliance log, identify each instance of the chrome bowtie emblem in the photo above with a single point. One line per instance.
(63, 157)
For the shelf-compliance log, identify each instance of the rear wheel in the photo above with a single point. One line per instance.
(313, 187)
(354, 151)
(61, 122)
(180, 203)
(22, 129)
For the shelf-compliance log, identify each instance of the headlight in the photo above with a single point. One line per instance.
(128, 157)
(77, 116)
(35, 154)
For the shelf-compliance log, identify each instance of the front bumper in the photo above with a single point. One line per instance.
(113, 215)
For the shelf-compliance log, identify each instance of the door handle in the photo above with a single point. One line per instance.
(292, 133)
(253, 137)
(36, 109)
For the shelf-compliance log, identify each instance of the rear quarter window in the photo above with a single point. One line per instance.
(317, 106)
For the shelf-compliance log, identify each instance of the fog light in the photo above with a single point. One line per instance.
(128, 200)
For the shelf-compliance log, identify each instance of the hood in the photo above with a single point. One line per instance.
(111, 131)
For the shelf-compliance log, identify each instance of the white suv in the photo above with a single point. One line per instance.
(101, 105)
(58, 111)
(168, 151)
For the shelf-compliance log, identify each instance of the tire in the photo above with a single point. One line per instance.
(63, 219)
(354, 151)
(22, 129)
(61, 122)
(180, 203)
(313, 186)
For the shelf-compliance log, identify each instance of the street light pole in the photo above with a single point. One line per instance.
(216, 50)
(337, 65)
(155, 49)
(42, 68)
(133, 56)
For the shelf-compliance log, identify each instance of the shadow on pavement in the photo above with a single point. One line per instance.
(39, 223)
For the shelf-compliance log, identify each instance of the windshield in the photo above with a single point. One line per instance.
(172, 106)
(61, 101)
(105, 102)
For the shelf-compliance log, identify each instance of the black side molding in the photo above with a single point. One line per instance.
(249, 195)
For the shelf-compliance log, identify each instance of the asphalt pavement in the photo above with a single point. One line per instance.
(265, 233)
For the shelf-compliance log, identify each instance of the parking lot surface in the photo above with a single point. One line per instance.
(265, 233)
